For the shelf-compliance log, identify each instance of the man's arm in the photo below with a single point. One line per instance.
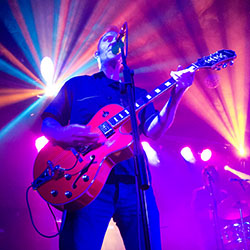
(165, 118)
(71, 135)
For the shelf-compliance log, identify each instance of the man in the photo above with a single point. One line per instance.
(65, 122)
(206, 201)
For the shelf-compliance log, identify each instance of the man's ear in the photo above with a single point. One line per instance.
(97, 53)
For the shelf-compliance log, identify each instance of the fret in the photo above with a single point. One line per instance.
(167, 83)
(124, 113)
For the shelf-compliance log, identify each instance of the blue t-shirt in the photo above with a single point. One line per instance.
(82, 97)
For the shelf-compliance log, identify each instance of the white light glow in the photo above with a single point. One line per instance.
(206, 154)
(151, 153)
(41, 142)
(51, 90)
(242, 152)
(47, 69)
(187, 154)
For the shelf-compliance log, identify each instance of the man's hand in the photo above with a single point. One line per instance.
(71, 135)
(78, 135)
(184, 79)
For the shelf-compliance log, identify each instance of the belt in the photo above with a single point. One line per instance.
(125, 179)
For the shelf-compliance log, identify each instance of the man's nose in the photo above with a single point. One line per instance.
(113, 39)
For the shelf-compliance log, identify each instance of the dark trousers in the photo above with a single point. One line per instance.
(85, 228)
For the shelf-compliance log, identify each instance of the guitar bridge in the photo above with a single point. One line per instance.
(51, 172)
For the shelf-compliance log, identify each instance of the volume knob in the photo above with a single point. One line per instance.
(68, 194)
(85, 178)
(54, 193)
(67, 176)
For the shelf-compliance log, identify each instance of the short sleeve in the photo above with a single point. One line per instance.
(59, 108)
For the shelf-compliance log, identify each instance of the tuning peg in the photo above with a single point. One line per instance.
(217, 68)
(224, 65)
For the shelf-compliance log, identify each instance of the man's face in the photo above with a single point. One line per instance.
(105, 47)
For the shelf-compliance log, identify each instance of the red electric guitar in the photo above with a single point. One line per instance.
(71, 178)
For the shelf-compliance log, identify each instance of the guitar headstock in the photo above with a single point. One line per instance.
(219, 59)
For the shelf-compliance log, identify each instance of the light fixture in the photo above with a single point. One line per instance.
(206, 154)
(187, 154)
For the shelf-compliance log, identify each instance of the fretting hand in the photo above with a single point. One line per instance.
(184, 79)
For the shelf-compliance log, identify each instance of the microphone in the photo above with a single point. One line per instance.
(119, 43)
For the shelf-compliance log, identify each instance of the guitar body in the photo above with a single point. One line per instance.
(60, 190)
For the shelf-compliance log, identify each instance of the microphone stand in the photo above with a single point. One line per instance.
(240, 181)
(218, 238)
(139, 160)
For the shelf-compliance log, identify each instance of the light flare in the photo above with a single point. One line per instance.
(229, 114)
(151, 153)
(11, 96)
(188, 155)
(240, 174)
(206, 154)
(41, 142)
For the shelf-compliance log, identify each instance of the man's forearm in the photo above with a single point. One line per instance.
(165, 118)
(52, 129)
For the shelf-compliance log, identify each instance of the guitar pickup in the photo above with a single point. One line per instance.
(106, 129)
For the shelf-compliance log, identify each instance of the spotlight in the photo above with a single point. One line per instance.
(206, 154)
(47, 71)
(187, 154)
(241, 175)
(51, 90)
(41, 142)
(242, 152)
(151, 153)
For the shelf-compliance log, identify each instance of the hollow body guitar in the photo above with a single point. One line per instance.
(71, 178)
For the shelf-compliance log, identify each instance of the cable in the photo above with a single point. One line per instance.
(33, 224)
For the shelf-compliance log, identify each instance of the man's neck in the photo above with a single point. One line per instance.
(111, 71)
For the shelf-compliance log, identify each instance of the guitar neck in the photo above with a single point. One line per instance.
(145, 100)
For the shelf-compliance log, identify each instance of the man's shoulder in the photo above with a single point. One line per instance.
(78, 78)
(78, 81)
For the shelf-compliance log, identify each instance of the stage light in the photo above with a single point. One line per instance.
(242, 152)
(240, 174)
(151, 153)
(41, 142)
(187, 154)
(206, 154)
(52, 90)
(47, 71)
